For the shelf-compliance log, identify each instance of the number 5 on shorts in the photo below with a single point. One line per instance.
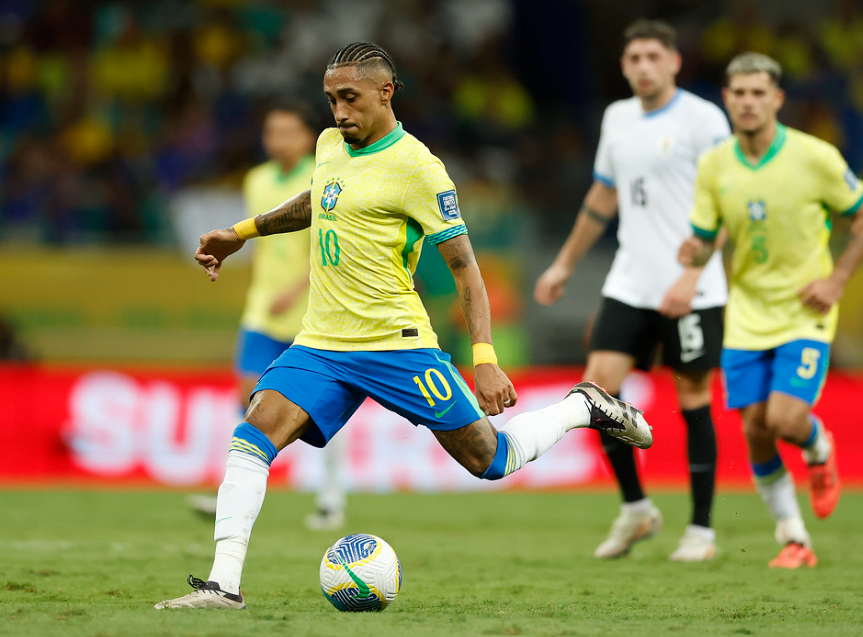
(430, 375)
(809, 358)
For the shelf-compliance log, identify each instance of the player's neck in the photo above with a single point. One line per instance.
(386, 127)
(287, 165)
(755, 145)
(660, 100)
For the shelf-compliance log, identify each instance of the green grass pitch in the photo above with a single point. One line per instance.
(93, 563)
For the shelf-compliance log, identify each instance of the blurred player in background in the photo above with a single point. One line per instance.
(645, 168)
(771, 188)
(377, 193)
(279, 292)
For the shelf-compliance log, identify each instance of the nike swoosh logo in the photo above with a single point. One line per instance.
(364, 590)
(321, 164)
(223, 519)
(440, 414)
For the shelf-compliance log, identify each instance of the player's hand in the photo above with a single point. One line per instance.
(822, 294)
(690, 251)
(216, 246)
(494, 390)
(549, 287)
(677, 301)
(286, 300)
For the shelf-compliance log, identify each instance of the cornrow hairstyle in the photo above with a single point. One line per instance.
(358, 53)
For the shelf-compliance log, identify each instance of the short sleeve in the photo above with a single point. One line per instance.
(603, 167)
(710, 130)
(432, 201)
(705, 217)
(842, 191)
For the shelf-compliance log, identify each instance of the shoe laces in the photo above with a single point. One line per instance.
(822, 477)
(198, 584)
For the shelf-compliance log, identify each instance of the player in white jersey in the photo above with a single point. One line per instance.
(645, 170)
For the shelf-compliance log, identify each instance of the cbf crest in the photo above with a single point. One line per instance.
(331, 195)
(757, 210)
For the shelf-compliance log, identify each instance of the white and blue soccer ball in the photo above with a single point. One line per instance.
(360, 572)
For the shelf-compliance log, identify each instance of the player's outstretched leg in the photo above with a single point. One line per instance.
(614, 417)
(205, 595)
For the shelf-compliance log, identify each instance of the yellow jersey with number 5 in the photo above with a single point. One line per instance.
(777, 213)
(371, 211)
(278, 261)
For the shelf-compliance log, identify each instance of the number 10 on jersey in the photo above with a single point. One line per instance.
(330, 250)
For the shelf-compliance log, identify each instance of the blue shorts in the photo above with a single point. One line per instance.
(798, 368)
(256, 351)
(420, 385)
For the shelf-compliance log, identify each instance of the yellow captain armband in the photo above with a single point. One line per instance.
(247, 229)
(484, 353)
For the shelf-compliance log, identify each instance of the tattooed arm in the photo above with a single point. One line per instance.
(218, 245)
(294, 214)
(494, 391)
(598, 209)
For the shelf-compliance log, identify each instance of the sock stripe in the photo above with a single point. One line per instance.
(249, 439)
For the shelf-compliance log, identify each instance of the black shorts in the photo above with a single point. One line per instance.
(691, 343)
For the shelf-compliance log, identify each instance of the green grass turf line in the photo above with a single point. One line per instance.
(93, 563)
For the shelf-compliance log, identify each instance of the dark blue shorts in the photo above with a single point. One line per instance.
(798, 368)
(420, 385)
(256, 352)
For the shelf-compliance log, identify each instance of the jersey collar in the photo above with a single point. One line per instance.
(301, 166)
(666, 106)
(384, 142)
(775, 147)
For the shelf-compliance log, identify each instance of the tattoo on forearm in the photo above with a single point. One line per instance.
(593, 214)
(467, 311)
(294, 214)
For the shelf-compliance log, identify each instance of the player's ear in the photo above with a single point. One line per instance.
(386, 91)
(780, 98)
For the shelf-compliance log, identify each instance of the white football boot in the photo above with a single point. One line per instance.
(698, 544)
(205, 595)
(614, 417)
(629, 527)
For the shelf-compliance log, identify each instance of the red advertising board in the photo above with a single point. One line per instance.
(120, 426)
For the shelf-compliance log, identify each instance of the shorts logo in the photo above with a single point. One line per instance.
(331, 195)
(448, 204)
(757, 210)
(851, 179)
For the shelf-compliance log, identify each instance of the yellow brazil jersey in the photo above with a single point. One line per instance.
(371, 210)
(279, 262)
(777, 214)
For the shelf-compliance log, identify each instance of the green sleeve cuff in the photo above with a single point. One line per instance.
(444, 235)
(701, 233)
(853, 209)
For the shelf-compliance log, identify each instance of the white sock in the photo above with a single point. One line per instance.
(706, 532)
(571, 412)
(241, 496)
(533, 433)
(331, 493)
(642, 507)
(780, 497)
(819, 450)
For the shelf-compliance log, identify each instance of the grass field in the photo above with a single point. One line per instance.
(94, 563)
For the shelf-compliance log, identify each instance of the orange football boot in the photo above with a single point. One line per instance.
(824, 483)
(794, 555)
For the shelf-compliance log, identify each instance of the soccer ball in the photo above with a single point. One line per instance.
(360, 572)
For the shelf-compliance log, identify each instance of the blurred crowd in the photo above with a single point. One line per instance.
(109, 110)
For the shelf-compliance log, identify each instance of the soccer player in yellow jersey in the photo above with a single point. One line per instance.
(377, 193)
(772, 188)
(279, 292)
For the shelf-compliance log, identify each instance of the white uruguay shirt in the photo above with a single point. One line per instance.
(651, 159)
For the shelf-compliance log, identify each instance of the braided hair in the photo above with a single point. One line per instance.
(362, 53)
